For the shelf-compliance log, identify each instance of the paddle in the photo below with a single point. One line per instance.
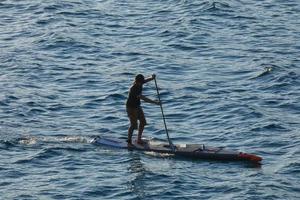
(162, 112)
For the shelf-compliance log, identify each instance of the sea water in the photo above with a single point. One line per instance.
(228, 74)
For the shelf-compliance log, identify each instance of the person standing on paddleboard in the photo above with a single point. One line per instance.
(133, 107)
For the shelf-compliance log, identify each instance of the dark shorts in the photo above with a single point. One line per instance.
(135, 114)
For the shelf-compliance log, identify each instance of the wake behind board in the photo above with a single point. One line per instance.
(197, 151)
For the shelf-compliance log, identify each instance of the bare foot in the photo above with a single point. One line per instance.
(141, 142)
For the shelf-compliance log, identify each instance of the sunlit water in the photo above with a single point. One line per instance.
(228, 73)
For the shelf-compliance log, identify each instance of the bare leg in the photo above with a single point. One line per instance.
(142, 124)
(130, 132)
(140, 133)
(141, 129)
(132, 115)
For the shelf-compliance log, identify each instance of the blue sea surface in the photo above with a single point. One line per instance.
(228, 73)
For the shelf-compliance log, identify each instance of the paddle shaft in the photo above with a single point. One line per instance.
(163, 116)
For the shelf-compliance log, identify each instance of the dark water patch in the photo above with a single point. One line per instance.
(64, 43)
(12, 97)
(7, 100)
(290, 78)
(49, 96)
(7, 144)
(180, 139)
(116, 96)
(215, 6)
(272, 102)
(98, 100)
(182, 47)
(159, 132)
(57, 107)
(293, 167)
(189, 97)
(242, 17)
(32, 121)
(32, 104)
(29, 86)
(68, 148)
(102, 191)
(292, 107)
(12, 173)
(3, 184)
(277, 87)
(271, 127)
(274, 144)
(26, 196)
(91, 82)
(40, 156)
(103, 131)
(165, 33)
(73, 14)
(91, 105)
(177, 116)
(48, 153)
(128, 54)
(253, 114)
(4, 104)
(129, 74)
(56, 7)
(35, 111)
(45, 22)
(6, 5)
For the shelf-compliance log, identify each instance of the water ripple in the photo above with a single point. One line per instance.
(227, 73)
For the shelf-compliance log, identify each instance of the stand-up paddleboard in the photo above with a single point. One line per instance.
(196, 151)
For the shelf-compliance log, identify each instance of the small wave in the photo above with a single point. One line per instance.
(4, 144)
(36, 111)
(165, 33)
(43, 154)
(12, 97)
(77, 14)
(270, 127)
(183, 47)
(293, 168)
(47, 153)
(4, 5)
(110, 118)
(129, 54)
(291, 106)
(213, 6)
(4, 183)
(3, 103)
(57, 107)
(245, 17)
(267, 70)
(115, 96)
(58, 6)
(288, 78)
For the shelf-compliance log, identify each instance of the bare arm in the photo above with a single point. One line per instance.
(149, 78)
(148, 100)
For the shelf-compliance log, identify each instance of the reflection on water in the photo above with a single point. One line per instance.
(137, 182)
